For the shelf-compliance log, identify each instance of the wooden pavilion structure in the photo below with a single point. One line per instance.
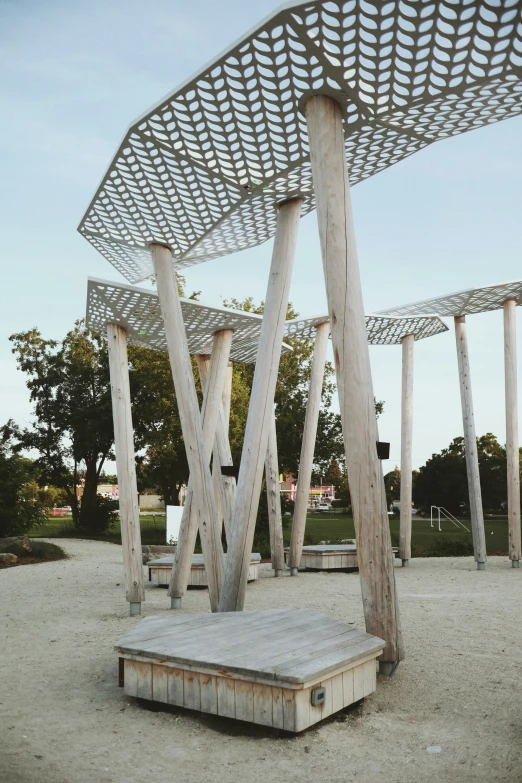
(317, 97)
(500, 296)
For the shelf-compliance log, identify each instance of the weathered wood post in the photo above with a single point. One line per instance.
(212, 385)
(197, 454)
(225, 485)
(260, 408)
(354, 381)
(306, 460)
(126, 467)
(408, 342)
(227, 395)
(273, 496)
(470, 444)
(513, 475)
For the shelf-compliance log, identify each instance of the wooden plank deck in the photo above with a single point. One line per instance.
(259, 666)
(329, 557)
(161, 568)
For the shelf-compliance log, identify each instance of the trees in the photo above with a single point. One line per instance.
(291, 397)
(72, 428)
(392, 484)
(22, 505)
(157, 426)
(442, 481)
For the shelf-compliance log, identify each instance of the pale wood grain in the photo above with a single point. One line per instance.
(512, 455)
(262, 713)
(352, 364)
(160, 684)
(470, 441)
(306, 460)
(260, 408)
(125, 463)
(408, 343)
(212, 370)
(226, 697)
(208, 693)
(273, 494)
(244, 701)
(198, 454)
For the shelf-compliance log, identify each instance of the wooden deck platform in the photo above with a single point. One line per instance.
(160, 570)
(285, 668)
(329, 557)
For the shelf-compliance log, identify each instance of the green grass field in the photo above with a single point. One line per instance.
(319, 527)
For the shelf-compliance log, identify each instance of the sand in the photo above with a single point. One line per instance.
(63, 718)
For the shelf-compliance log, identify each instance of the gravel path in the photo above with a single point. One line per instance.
(63, 718)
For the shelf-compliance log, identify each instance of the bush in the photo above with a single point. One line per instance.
(20, 508)
(100, 519)
(40, 550)
(445, 547)
(262, 531)
(338, 504)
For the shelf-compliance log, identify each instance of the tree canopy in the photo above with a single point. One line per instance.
(72, 429)
(442, 481)
(22, 504)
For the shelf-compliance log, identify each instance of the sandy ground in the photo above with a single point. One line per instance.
(63, 718)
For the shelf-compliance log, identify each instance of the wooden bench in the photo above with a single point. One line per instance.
(330, 557)
(285, 668)
(160, 570)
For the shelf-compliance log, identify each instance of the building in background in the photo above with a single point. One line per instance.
(322, 494)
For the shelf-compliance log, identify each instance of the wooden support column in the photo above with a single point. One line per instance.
(470, 444)
(260, 409)
(126, 467)
(408, 343)
(212, 372)
(513, 475)
(197, 453)
(273, 496)
(306, 460)
(226, 485)
(223, 454)
(354, 381)
(227, 395)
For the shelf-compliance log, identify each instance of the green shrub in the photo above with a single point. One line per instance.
(262, 531)
(445, 547)
(41, 550)
(20, 508)
(101, 518)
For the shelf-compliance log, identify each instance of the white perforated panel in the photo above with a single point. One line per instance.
(381, 330)
(472, 300)
(202, 171)
(138, 311)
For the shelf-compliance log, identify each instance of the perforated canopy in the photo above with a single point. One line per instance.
(203, 169)
(381, 330)
(472, 300)
(138, 311)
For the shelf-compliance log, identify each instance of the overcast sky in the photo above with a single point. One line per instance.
(73, 75)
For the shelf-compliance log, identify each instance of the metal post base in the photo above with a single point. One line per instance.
(405, 563)
(481, 566)
(175, 603)
(515, 564)
(388, 668)
(278, 572)
(293, 571)
(134, 609)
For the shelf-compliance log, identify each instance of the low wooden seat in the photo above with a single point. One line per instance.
(329, 557)
(160, 570)
(286, 668)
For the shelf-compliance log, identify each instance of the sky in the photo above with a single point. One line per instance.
(74, 75)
